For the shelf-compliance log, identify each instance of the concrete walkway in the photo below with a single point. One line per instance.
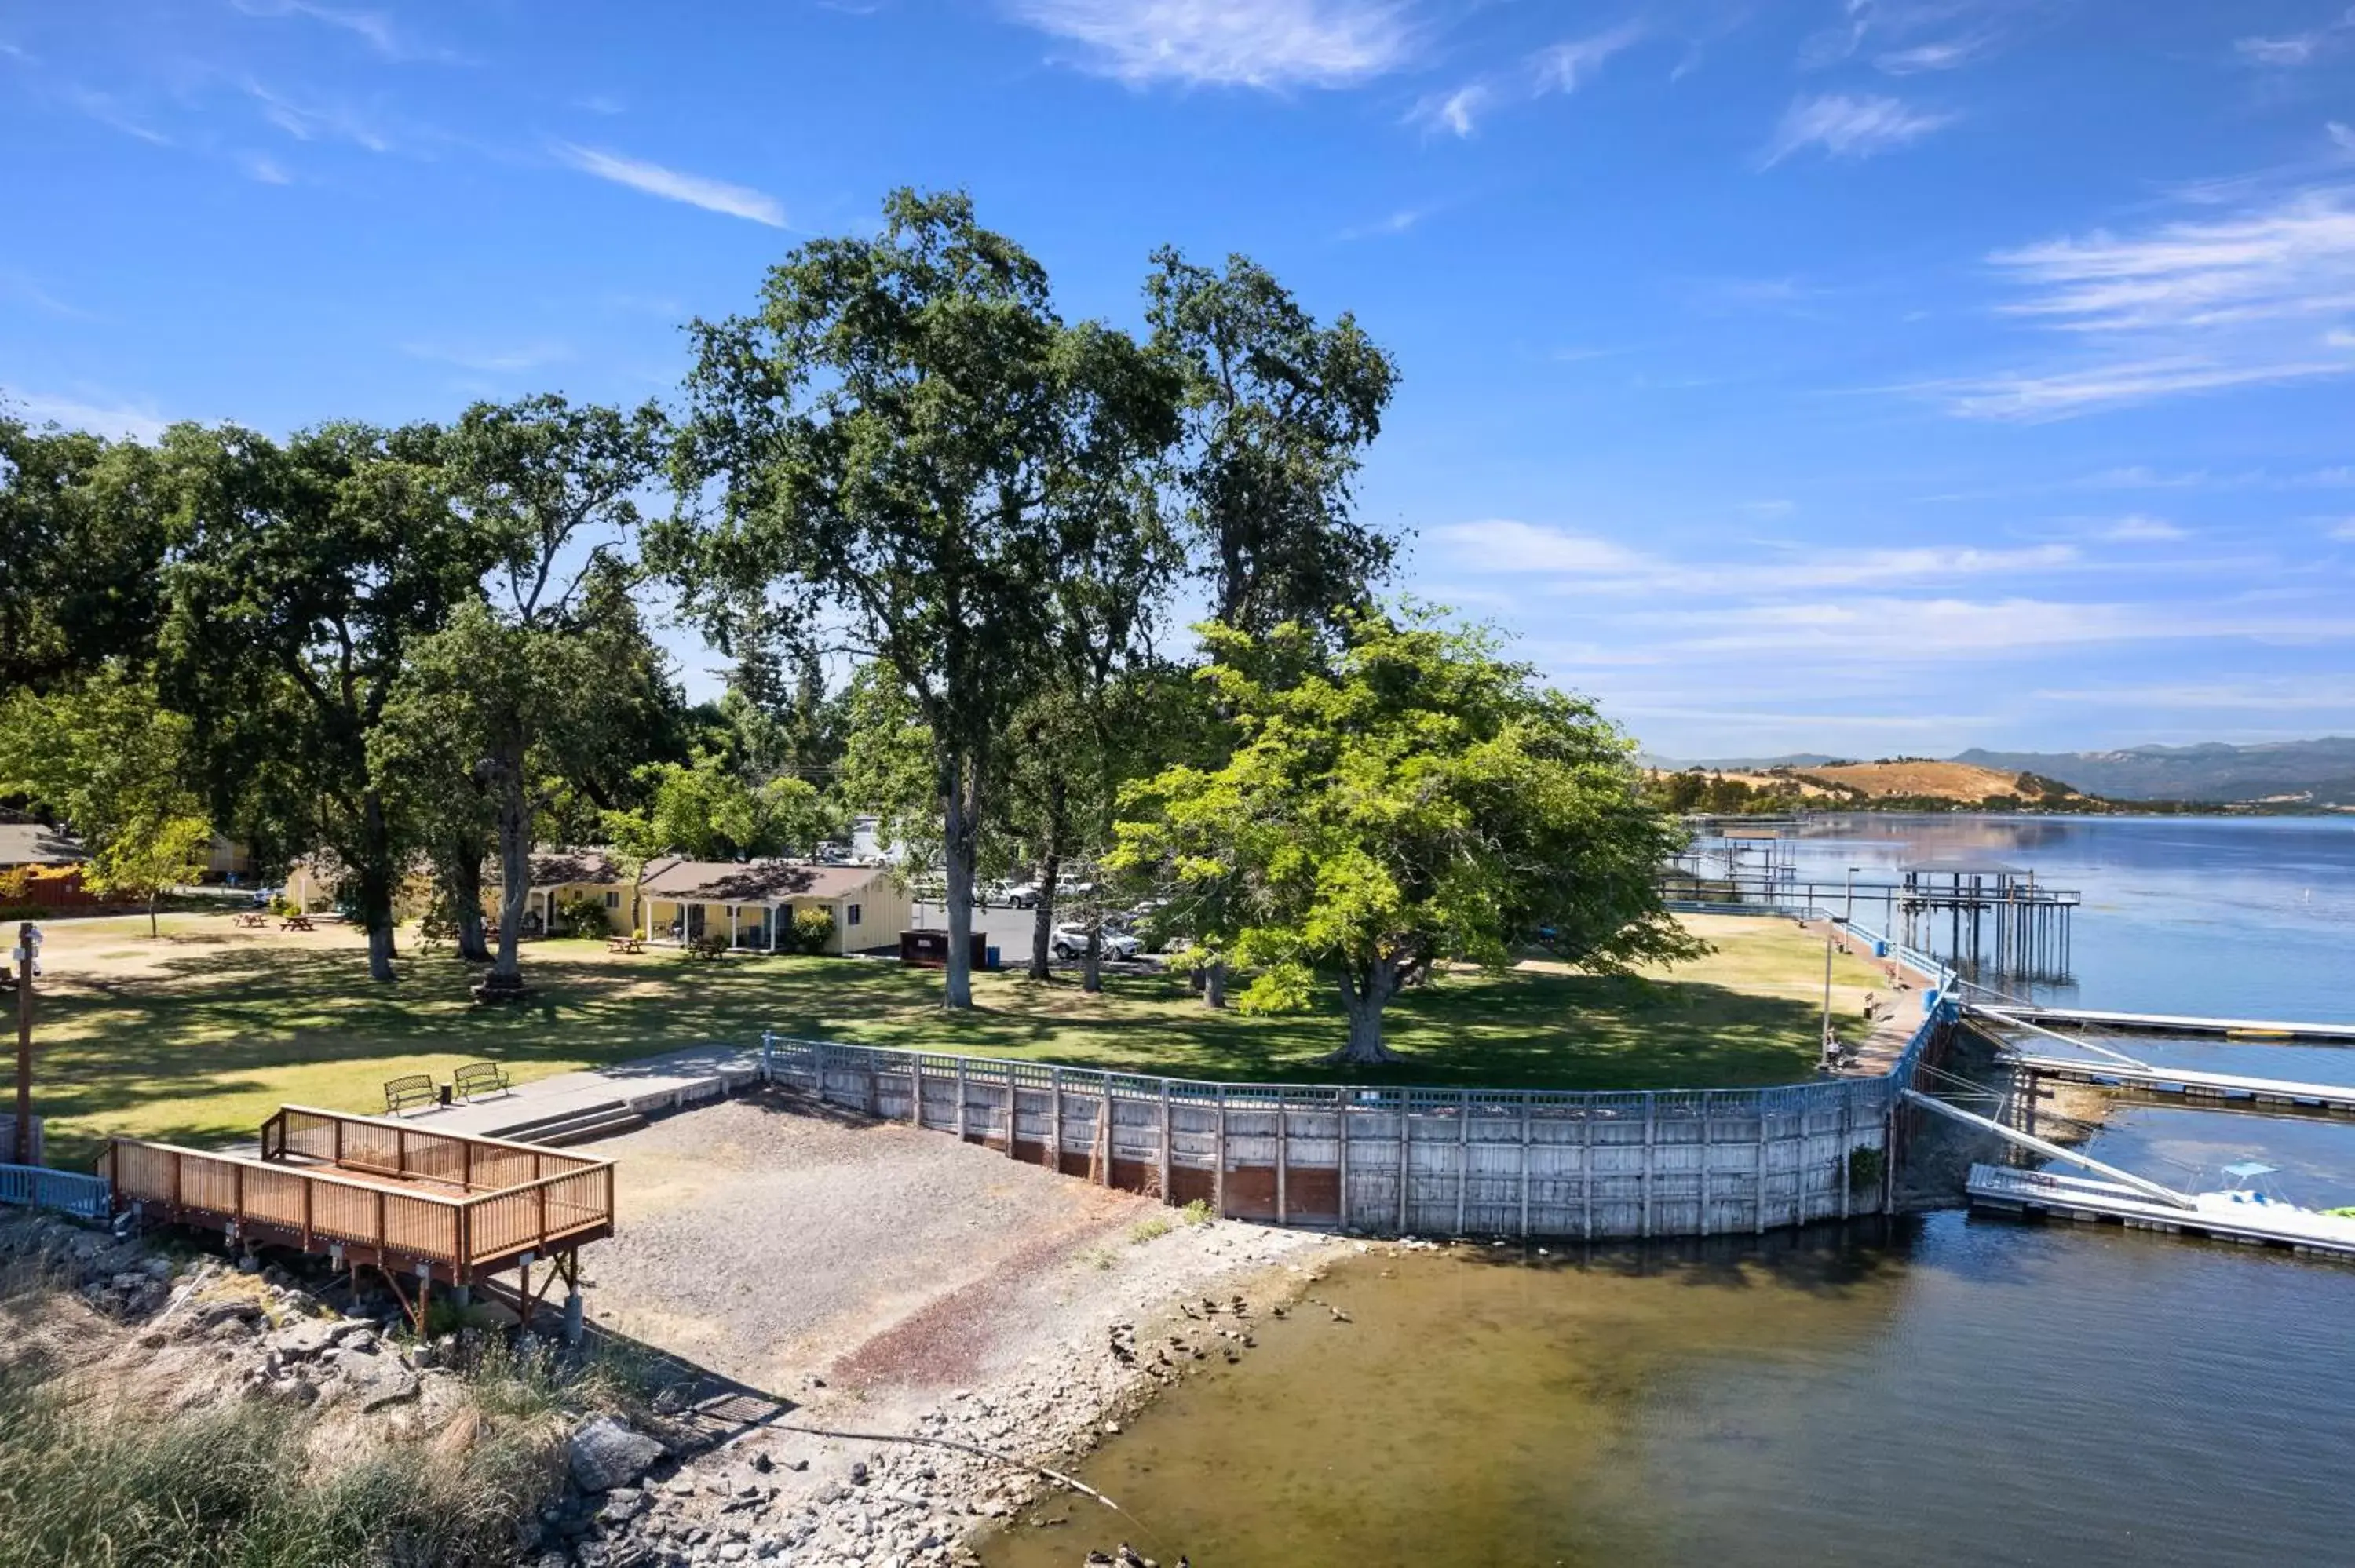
(648, 1085)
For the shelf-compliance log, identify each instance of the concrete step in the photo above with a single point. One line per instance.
(606, 1119)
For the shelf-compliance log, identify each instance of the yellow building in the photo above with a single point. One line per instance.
(561, 875)
(682, 900)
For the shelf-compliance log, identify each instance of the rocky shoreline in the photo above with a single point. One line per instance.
(874, 1475)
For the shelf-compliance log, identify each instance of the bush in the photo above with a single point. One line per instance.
(1197, 1213)
(21, 912)
(812, 930)
(1150, 1229)
(238, 1484)
(1864, 1168)
(584, 915)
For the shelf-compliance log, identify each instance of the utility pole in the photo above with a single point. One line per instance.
(1848, 917)
(29, 946)
(1828, 986)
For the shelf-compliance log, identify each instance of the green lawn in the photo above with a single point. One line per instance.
(198, 1036)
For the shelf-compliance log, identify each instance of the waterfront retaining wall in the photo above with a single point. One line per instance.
(1403, 1162)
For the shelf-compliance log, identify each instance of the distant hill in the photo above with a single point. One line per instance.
(1894, 783)
(2320, 772)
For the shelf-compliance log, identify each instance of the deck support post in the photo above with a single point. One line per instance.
(1283, 1157)
(1525, 1167)
(961, 1110)
(1463, 1157)
(1166, 1196)
(1055, 1123)
(1651, 1102)
(1219, 1160)
(1406, 1152)
(1341, 1099)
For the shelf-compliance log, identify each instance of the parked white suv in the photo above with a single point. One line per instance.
(1071, 942)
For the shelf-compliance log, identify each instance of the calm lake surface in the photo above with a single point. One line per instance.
(1940, 1390)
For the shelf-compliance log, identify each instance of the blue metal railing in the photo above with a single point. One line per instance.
(67, 1191)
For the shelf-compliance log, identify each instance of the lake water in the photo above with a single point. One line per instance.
(1939, 1389)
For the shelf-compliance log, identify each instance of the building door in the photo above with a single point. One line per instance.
(694, 922)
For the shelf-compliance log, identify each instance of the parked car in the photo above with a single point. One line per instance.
(1023, 896)
(1071, 941)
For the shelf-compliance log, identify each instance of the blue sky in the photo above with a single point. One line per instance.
(1869, 378)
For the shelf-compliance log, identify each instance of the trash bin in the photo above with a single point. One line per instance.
(990, 961)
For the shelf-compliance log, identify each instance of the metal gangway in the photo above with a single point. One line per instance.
(2088, 1060)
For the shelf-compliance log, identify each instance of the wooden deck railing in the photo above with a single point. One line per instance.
(508, 1198)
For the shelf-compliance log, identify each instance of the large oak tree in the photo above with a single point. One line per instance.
(905, 445)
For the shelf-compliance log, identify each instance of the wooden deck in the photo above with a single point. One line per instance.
(367, 1190)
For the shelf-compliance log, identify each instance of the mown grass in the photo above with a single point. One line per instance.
(198, 1035)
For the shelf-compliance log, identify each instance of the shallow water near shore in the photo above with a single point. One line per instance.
(1941, 1389)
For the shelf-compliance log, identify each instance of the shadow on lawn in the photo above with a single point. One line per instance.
(222, 1022)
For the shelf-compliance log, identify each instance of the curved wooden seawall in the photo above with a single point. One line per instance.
(1401, 1162)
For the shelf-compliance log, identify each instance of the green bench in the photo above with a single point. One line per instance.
(409, 1089)
(479, 1078)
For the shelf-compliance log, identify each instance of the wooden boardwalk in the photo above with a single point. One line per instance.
(2220, 1216)
(367, 1191)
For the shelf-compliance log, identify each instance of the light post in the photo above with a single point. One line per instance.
(28, 954)
(1827, 992)
(1849, 916)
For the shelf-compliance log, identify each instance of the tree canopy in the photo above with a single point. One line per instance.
(1408, 799)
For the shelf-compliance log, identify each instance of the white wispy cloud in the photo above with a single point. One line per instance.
(2253, 295)
(1271, 44)
(1562, 67)
(1457, 112)
(1946, 54)
(2138, 528)
(267, 170)
(19, 287)
(671, 185)
(2343, 529)
(109, 112)
(1920, 630)
(491, 361)
(307, 121)
(136, 421)
(1396, 223)
(1848, 125)
(2292, 49)
(374, 28)
(2062, 393)
(1504, 545)
(2299, 695)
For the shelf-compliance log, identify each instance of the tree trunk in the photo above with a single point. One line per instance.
(959, 831)
(515, 873)
(1050, 872)
(463, 880)
(1363, 1004)
(1092, 972)
(376, 872)
(1214, 984)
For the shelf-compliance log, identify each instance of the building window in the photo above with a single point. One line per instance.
(613, 901)
(850, 915)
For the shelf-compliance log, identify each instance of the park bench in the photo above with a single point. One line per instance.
(625, 945)
(409, 1089)
(478, 1078)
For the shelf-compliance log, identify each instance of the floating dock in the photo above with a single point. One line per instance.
(2219, 1217)
(2183, 1083)
(2248, 1031)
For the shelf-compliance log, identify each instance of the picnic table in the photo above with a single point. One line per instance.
(625, 945)
(296, 923)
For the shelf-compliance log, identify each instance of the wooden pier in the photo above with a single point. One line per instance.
(2220, 1216)
(420, 1207)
